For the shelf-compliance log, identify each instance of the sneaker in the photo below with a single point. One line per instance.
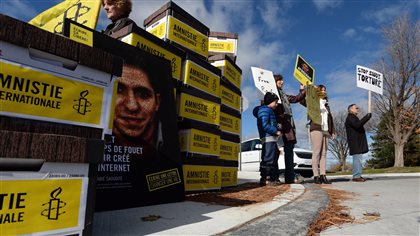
(263, 181)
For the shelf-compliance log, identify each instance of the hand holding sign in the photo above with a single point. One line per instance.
(264, 81)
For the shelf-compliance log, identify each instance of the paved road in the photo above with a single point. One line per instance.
(397, 200)
(291, 219)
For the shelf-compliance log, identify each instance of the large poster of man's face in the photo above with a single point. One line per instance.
(141, 163)
(136, 107)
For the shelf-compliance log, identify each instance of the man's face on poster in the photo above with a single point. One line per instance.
(136, 105)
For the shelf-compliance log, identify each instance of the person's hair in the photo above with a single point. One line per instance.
(319, 93)
(278, 77)
(321, 86)
(348, 108)
(124, 5)
(148, 68)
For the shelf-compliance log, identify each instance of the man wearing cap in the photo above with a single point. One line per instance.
(267, 129)
(286, 125)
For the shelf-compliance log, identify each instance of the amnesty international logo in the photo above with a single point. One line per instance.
(216, 177)
(204, 46)
(85, 12)
(215, 144)
(173, 65)
(54, 206)
(82, 104)
(214, 85)
(74, 12)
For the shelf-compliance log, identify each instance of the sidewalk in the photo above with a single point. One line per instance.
(190, 218)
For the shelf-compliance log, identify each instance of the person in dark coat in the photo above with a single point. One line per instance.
(286, 125)
(267, 129)
(117, 11)
(356, 139)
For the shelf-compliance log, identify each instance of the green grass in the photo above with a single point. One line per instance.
(414, 169)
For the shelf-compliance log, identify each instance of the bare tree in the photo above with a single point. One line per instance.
(338, 146)
(399, 105)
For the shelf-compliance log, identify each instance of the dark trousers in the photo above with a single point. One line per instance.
(269, 166)
(289, 173)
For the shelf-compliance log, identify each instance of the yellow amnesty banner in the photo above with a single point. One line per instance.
(202, 177)
(229, 123)
(199, 109)
(229, 150)
(229, 176)
(222, 45)
(85, 12)
(230, 98)
(33, 206)
(229, 71)
(148, 46)
(28, 92)
(201, 78)
(198, 141)
(158, 29)
(187, 36)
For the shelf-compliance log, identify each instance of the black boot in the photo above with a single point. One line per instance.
(317, 180)
(324, 179)
(263, 181)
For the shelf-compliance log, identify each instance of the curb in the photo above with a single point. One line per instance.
(291, 219)
(261, 210)
(383, 175)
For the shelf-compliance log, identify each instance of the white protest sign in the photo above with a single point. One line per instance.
(264, 81)
(369, 79)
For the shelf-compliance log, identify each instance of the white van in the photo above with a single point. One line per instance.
(250, 158)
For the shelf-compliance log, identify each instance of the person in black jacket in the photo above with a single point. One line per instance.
(286, 126)
(117, 11)
(356, 139)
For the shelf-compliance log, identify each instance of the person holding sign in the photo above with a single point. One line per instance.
(320, 132)
(117, 11)
(356, 139)
(267, 129)
(286, 125)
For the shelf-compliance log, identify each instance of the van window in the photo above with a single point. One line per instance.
(246, 146)
(250, 145)
(254, 145)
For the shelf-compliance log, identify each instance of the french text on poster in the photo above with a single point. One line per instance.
(264, 81)
(303, 72)
(30, 93)
(43, 206)
(369, 79)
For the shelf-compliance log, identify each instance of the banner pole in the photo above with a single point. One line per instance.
(369, 101)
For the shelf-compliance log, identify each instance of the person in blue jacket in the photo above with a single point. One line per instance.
(267, 129)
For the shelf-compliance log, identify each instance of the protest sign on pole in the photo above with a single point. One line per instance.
(303, 72)
(264, 81)
(369, 79)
